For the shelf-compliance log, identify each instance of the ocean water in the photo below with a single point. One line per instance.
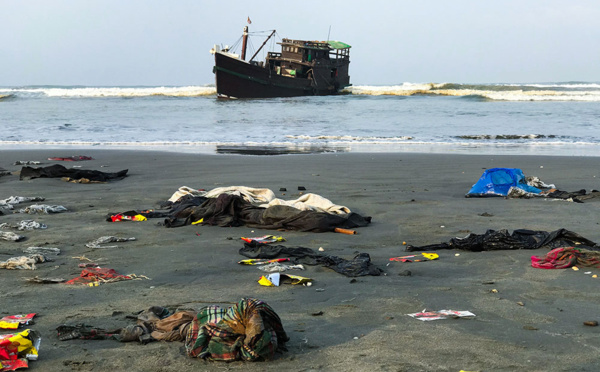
(550, 119)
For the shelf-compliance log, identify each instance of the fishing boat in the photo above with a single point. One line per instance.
(302, 68)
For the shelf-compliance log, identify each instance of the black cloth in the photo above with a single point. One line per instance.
(59, 171)
(360, 265)
(520, 239)
(232, 210)
(579, 196)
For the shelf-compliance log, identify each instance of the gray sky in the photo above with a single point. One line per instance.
(146, 42)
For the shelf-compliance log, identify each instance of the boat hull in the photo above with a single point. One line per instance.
(239, 79)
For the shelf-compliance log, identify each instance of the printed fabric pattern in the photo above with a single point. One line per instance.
(249, 331)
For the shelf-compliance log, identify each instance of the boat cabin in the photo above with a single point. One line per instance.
(321, 61)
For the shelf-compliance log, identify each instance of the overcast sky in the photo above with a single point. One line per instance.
(146, 42)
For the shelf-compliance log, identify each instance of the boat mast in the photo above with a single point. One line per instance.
(244, 42)
(263, 44)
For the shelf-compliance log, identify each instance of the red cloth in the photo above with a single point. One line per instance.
(94, 274)
(562, 258)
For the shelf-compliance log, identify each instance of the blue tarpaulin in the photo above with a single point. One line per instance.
(497, 182)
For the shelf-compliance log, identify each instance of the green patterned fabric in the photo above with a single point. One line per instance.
(250, 331)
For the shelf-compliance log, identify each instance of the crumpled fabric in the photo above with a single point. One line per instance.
(43, 208)
(565, 257)
(519, 239)
(8, 235)
(360, 265)
(309, 202)
(97, 274)
(107, 239)
(277, 267)
(23, 262)
(250, 331)
(42, 250)
(59, 171)
(12, 200)
(24, 225)
(266, 198)
(183, 191)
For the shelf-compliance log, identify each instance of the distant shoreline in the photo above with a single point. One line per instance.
(537, 149)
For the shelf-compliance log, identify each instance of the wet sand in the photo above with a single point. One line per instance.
(413, 198)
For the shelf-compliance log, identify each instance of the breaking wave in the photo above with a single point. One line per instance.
(572, 91)
(96, 92)
(508, 137)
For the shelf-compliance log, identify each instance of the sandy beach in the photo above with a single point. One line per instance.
(526, 319)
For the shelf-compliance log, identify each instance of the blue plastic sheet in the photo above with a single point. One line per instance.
(497, 182)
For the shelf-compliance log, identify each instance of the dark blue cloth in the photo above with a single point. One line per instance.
(497, 182)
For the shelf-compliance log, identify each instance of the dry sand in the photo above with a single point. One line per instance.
(416, 198)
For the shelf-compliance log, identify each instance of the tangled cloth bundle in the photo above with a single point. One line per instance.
(250, 331)
(23, 262)
(565, 257)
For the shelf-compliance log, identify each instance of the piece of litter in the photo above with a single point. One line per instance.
(575, 268)
(321, 249)
(588, 272)
(356, 338)
(441, 314)
(457, 254)
(594, 276)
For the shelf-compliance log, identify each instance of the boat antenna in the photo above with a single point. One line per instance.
(328, 33)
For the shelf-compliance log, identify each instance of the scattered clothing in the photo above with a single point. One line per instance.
(85, 332)
(107, 239)
(24, 225)
(42, 250)
(43, 209)
(520, 239)
(183, 191)
(12, 200)
(11, 236)
(312, 202)
(95, 275)
(360, 265)
(24, 262)
(266, 198)
(250, 331)
(72, 158)
(441, 314)
(231, 210)
(37, 279)
(279, 267)
(59, 171)
(565, 257)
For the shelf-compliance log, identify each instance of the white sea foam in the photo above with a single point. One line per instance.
(93, 92)
(493, 92)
